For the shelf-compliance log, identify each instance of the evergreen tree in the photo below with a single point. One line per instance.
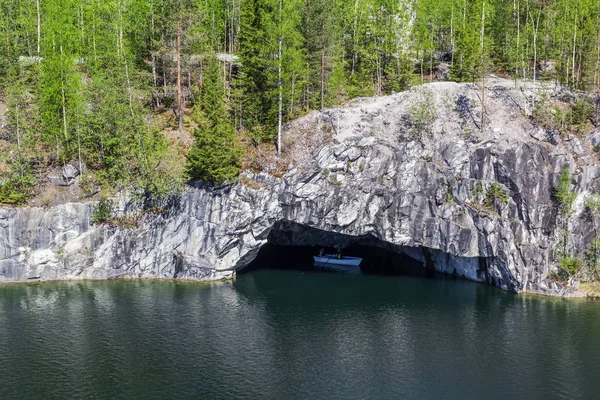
(99, 82)
(256, 75)
(215, 156)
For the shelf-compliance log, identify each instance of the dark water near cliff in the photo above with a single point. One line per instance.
(290, 334)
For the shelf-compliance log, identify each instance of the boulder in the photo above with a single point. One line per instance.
(595, 138)
(70, 172)
(68, 175)
(58, 180)
(442, 72)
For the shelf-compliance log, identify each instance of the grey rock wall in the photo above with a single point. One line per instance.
(384, 180)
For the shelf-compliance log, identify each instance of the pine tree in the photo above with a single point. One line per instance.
(215, 156)
(256, 74)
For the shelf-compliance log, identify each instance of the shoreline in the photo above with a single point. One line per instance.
(591, 291)
(150, 279)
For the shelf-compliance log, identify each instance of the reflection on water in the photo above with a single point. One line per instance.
(290, 334)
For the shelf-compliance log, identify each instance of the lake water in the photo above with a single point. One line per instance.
(276, 334)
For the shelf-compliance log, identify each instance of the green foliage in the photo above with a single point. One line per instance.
(102, 212)
(565, 197)
(542, 112)
(17, 182)
(564, 193)
(213, 160)
(449, 194)
(255, 78)
(215, 156)
(60, 254)
(593, 257)
(582, 111)
(472, 57)
(477, 190)
(422, 113)
(562, 243)
(569, 266)
(16, 189)
(494, 194)
(592, 203)
(102, 70)
(563, 119)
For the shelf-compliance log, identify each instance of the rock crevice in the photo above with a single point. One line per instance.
(462, 200)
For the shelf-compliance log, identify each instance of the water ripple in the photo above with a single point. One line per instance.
(286, 334)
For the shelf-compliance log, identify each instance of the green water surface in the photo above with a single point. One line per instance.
(276, 334)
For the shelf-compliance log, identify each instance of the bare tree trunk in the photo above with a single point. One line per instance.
(322, 71)
(154, 75)
(292, 96)
(164, 76)
(64, 101)
(79, 147)
(94, 34)
(128, 87)
(482, 34)
(379, 75)
(483, 69)
(179, 99)
(431, 56)
(574, 47)
(354, 36)
(224, 76)
(29, 52)
(597, 72)
(280, 84)
(121, 52)
(64, 112)
(39, 28)
(18, 130)
(452, 36)
(517, 8)
(64, 117)
(189, 83)
(598, 82)
(82, 23)
(535, 25)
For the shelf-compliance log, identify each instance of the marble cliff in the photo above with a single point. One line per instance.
(419, 172)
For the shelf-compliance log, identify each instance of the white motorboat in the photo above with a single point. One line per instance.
(338, 263)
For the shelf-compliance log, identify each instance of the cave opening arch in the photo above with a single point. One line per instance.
(292, 246)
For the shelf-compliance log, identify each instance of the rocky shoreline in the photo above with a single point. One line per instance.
(461, 198)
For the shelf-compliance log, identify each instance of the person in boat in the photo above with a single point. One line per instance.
(338, 254)
(321, 252)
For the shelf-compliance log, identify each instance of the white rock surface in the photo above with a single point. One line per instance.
(376, 183)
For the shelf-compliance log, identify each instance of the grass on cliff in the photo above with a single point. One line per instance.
(591, 289)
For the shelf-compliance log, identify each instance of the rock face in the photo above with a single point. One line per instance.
(417, 172)
(67, 178)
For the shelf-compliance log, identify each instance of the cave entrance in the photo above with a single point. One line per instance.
(292, 246)
(376, 261)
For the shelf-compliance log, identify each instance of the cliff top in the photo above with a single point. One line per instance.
(513, 112)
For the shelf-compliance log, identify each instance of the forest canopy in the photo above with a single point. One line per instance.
(112, 85)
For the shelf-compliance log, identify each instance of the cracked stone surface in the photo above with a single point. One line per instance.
(377, 182)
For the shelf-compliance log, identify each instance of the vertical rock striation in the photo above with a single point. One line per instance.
(416, 172)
